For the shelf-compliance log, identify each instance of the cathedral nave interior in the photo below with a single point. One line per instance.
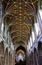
(20, 32)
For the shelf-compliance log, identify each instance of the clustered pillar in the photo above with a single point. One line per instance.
(6, 58)
(35, 57)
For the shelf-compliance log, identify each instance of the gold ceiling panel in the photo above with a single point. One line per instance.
(14, 31)
(18, 39)
(20, 26)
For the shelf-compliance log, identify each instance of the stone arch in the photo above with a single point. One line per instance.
(21, 47)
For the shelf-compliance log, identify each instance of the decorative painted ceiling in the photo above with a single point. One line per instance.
(21, 17)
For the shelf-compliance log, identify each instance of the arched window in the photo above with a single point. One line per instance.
(29, 46)
(2, 27)
(40, 11)
(33, 36)
(30, 41)
(37, 29)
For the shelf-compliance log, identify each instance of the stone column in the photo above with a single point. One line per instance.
(6, 57)
(13, 59)
(2, 59)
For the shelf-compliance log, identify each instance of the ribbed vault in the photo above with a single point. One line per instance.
(20, 19)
